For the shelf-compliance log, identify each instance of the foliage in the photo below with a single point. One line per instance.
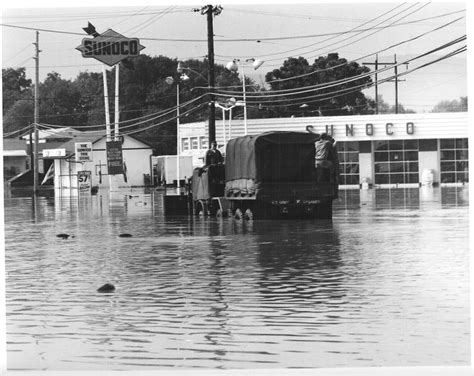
(19, 116)
(451, 106)
(15, 86)
(60, 102)
(385, 108)
(90, 106)
(348, 100)
(148, 99)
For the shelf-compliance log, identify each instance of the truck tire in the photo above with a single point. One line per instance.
(248, 215)
(238, 214)
(200, 209)
(197, 208)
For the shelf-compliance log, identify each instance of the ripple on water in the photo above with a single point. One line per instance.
(380, 285)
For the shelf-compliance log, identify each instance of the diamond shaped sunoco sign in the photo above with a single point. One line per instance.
(110, 47)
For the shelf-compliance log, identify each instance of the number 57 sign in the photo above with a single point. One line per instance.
(84, 184)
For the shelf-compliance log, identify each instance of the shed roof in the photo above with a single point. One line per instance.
(15, 153)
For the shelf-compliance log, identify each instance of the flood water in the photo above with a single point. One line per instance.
(385, 283)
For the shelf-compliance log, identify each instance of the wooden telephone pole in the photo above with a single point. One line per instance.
(396, 80)
(36, 116)
(211, 11)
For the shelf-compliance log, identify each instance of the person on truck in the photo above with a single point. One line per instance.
(325, 148)
(213, 155)
(326, 151)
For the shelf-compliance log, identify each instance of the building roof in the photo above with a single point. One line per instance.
(55, 133)
(14, 144)
(70, 145)
(15, 153)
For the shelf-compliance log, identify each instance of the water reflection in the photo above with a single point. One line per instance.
(404, 198)
(401, 198)
(349, 198)
(301, 267)
(454, 196)
(380, 284)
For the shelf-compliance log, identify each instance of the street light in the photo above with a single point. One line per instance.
(233, 66)
(303, 107)
(170, 81)
(231, 103)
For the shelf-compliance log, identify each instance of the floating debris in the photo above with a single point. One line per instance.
(108, 287)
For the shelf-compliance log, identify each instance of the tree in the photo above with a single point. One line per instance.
(19, 116)
(59, 102)
(90, 108)
(15, 86)
(385, 108)
(343, 97)
(451, 106)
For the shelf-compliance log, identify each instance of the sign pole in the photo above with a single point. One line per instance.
(117, 109)
(106, 104)
(178, 139)
(107, 115)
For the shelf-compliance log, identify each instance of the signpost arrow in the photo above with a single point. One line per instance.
(90, 29)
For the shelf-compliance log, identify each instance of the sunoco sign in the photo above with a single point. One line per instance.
(110, 47)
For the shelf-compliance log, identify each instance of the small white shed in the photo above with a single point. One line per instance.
(136, 162)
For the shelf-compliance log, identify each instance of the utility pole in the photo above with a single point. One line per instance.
(396, 80)
(36, 116)
(376, 83)
(211, 11)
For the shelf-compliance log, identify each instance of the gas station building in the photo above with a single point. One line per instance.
(389, 150)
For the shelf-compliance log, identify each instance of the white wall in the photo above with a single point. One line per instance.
(136, 156)
(425, 126)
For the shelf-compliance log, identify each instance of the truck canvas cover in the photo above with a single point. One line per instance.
(271, 157)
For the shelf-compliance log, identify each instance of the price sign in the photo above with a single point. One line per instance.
(114, 157)
(84, 183)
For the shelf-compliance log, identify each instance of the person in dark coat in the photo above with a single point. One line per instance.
(213, 155)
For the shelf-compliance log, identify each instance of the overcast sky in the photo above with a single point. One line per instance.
(268, 31)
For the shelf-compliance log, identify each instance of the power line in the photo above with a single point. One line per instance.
(373, 33)
(91, 16)
(303, 90)
(299, 100)
(255, 39)
(287, 15)
(355, 29)
(374, 53)
(311, 73)
(307, 89)
(150, 20)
